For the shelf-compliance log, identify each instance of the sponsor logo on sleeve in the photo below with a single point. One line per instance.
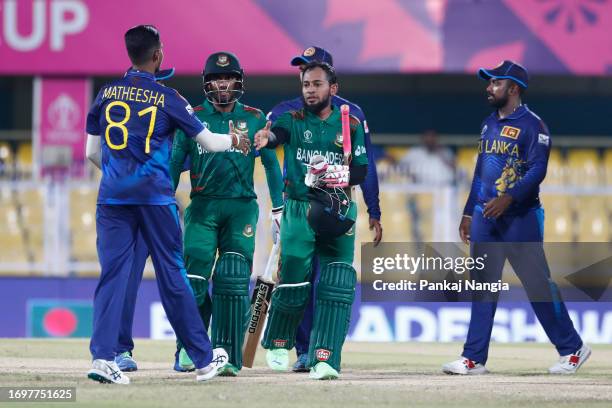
(365, 126)
(359, 150)
(543, 139)
(484, 130)
(510, 132)
(189, 109)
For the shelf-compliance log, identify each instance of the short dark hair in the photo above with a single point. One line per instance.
(330, 72)
(141, 41)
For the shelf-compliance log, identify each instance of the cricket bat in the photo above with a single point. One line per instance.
(260, 303)
(346, 134)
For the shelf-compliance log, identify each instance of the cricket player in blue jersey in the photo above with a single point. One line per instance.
(130, 127)
(369, 189)
(125, 345)
(504, 206)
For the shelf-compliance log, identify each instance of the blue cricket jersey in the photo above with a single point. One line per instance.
(370, 185)
(136, 118)
(512, 158)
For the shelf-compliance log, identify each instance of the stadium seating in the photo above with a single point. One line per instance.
(6, 158)
(466, 161)
(30, 208)
(584, 167)
(396, 153)
(24, 159)
(11, 236)
(593, 222)
(83, 224)
(425, 205)
(607, 160)
(558, 218)
(397, 222)
(569, 217)
(555, 174)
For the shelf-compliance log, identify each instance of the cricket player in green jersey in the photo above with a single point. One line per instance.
(223, 212)
(312, 137)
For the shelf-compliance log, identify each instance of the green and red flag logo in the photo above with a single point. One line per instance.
(59, 318)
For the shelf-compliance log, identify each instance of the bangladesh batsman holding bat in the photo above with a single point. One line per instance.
(317, 213)
(223, 212)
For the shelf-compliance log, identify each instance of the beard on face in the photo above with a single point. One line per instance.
(499, 102)
(316, 108)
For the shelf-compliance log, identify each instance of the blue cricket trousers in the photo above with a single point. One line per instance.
(529, 263)
(141, 253)
(118, 227)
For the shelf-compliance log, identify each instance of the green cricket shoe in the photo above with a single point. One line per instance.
(278, 359)
(229, 370)
(185, 362)
(323, 371)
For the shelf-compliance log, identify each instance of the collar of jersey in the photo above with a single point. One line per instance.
(142, 74)
(520, 111)
(210, 109)
(335, 114)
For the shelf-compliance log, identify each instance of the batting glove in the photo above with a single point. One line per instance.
(336, 176)
(316, 170)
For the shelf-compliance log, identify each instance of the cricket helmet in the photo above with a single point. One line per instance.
(218, 91)
(328, 213)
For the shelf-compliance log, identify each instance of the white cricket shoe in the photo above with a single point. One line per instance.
(571, 363)
(107, 371)
(278, 359)
(464, 366)
(219, 360)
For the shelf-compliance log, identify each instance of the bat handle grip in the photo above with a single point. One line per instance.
(346, 133)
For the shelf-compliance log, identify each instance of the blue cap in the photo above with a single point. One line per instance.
(313, 54)
(506, 70)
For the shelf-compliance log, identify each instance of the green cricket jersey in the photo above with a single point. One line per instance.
(226, 174)
(309, 136)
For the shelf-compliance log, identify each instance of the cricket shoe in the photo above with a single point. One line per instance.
(300, 364)
(182, 362)
(278, 359)
(219, 360)
(323, 371)
(126, 362)
(185, 361)
(229, 370)
(464, 366)
(572, 362)
(107, 371)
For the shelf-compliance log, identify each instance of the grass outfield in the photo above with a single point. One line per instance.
(373, 375)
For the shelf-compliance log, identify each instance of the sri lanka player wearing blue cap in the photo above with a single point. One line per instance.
(504, 206)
